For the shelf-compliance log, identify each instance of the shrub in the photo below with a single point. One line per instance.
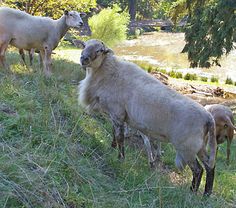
(179, 75)
(204, 79)
(162, 71)
(214, 79)
(229, 81)
(110, 25)
(172, 74)
(189, 76)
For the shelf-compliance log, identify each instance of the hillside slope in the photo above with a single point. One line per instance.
(52, 154)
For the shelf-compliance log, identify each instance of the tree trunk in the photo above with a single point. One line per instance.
(132, 9)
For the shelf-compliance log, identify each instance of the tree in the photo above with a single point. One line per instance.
(140, 8)
(210, 31)
(52, 8)
(110, 25)
(132, 9)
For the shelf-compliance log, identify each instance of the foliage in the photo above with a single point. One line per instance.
(52, 8)
(190, 76)
(214, 79)
(175, 74)
(229, 81)
(204, 79)
(178, 10)
(210, 31)
(143, 8)
(110, 25)
(163, 9)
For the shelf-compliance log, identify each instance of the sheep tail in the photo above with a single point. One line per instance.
(212, 142)
(230, 124)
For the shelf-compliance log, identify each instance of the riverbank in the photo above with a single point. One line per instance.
(163, 49)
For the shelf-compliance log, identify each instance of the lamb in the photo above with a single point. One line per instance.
(224, 121)
(127, 94)
(25, 31)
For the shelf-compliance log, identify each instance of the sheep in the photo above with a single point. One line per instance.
(127, 94)
(224, 121)
(25, 31)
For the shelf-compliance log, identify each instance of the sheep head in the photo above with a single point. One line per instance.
(74, 19)
(93, 54)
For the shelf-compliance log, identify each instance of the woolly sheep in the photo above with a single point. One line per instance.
(127, 94)
(25, 31)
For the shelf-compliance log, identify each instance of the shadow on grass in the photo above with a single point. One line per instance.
(62, 69)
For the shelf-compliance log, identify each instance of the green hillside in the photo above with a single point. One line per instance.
(52, 154)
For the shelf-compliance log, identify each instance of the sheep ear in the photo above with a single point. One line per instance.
(66, 12)
(79, 43)
(108, 50)
(82, 14)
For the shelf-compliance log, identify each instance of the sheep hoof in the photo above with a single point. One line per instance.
(207, 194)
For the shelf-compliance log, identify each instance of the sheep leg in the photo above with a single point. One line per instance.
(47, 62)
(31, 56)
(114, 143)
(228, 150)
(3, 48)
(210, 172)
(158, 151)
(119, 138)
(148, 149)
(197, 171)
(22, 54)
(40, 58)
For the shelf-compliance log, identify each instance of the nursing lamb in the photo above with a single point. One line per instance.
(127, 94)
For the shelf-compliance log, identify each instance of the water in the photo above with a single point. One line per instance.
(164, 49)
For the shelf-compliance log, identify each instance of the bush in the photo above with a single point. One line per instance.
(175, 74)
(172, 74)
(229, 81)
(189, 76)
(204, 79)
(110, 25)
(162, 71)
(179, 75)
(214, 79)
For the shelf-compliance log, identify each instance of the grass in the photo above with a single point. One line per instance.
(52, 154)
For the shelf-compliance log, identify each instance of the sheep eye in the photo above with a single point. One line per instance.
(71, 15)
(100, 51)
(225, 126)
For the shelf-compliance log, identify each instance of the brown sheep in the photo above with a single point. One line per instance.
(224, 121)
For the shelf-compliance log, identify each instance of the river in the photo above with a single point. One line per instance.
(164, 49)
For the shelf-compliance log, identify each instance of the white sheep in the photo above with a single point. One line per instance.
(25, 31)
(127, 94)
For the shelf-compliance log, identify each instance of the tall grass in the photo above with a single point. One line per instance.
(52, 154)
